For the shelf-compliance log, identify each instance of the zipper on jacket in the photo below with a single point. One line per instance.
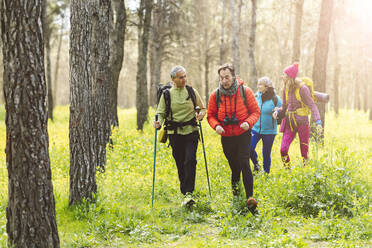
(260, 117)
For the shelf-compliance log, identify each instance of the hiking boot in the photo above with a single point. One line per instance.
(256, 167)
(286, 162)
(252, 205)
(189, 200)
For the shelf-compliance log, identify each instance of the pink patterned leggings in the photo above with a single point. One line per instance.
(288, 136)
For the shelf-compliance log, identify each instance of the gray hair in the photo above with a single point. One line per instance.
(175, 69)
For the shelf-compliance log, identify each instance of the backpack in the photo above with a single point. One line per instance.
(242, 94)
(304, 110)
(164, 90)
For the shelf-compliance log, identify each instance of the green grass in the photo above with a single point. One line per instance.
(326, 204)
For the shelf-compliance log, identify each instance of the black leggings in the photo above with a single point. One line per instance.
(237, 152)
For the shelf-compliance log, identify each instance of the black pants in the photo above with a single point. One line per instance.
(237, 152)
(184, 152)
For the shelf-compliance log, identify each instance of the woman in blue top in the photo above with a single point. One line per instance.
(266, 127)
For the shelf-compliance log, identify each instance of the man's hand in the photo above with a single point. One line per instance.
(219, 130)
(199, 116)
(156, 124)
(244, 126)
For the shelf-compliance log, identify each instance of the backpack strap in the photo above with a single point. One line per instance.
(275, 99)
(167, 100)
(192, 95)
(218, 99)
(242, 93)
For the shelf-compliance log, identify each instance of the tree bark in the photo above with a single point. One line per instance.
(297, 31)
(206, 66)
(157, 49)
(336, 73)
(56, 68)
(321, 51)
(235, 15)
(252, 41)
(83, 158)
(117, 39)
(101, 77)
(144, 15)
(31, 218)
(336, 87)
(356, 92)
(370, 104)
(48, 72)
(222, 38)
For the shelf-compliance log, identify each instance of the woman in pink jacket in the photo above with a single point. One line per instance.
(296, 113)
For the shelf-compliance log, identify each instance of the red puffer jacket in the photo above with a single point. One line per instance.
(250, 115)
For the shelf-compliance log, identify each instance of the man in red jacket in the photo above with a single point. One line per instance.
(232, 112)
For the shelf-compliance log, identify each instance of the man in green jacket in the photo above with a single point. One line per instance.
(181, 125)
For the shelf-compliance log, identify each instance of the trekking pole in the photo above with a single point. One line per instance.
(197, 109)
(153, 172)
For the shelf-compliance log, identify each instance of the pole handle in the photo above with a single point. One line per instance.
(197, 109)
(156, 117)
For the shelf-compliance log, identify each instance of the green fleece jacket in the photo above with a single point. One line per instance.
(182, 109)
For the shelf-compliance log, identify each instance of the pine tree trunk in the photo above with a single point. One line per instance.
(252, 41)
(117, 39)
(206, 66)
(31, 218)
(83, 157)
(336, 73)
(357, 93)
(235, 15)
(156, 51)
(101, 76)
(48, 72)
(336, 87)
(297, 31)
(144, 15)
(56, 68)
(222, 38)
(370, 104)
(321, 51)
(365, 103)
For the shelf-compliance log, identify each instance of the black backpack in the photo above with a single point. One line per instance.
(164, 90)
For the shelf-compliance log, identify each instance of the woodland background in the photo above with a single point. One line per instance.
(196, 36)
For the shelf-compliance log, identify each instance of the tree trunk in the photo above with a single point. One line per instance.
(370, 104)
(101, 77)
(235, 15)
(321, 51)
(117, 39)
(48, 72)
(222, 38)
(356, 92)
(31, 218)
(206, 66)
(252, 41)
(336, 72)
(365, 98)
(336, 88)
(297, 31)
(56, 68)
(82, 137)
(156, 51)
(144, 15)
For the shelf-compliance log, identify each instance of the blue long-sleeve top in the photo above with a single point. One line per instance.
(266, 124)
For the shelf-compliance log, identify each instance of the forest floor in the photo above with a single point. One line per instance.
(325, 204)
